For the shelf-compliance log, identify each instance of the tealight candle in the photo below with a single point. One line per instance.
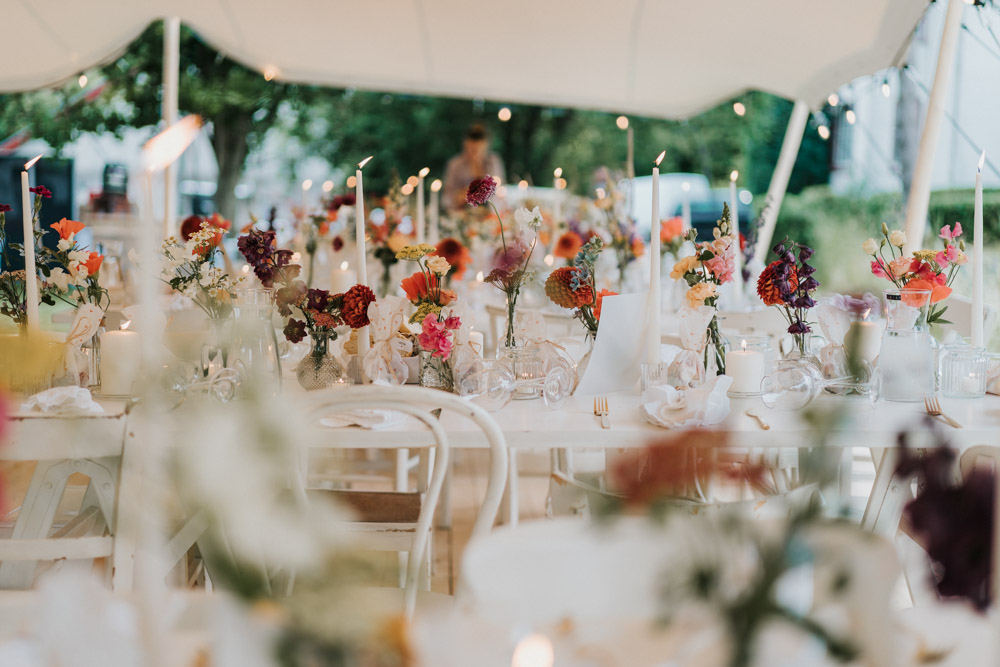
(864, 339)
(746, 368)
(342, 279)
(121, 354)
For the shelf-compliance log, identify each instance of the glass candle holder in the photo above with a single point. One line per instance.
(963, 371)
(652, 375)
(749, 359)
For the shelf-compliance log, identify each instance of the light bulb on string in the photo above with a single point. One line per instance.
(740, 109)
(824, 132)
(850, 116)
(622, 122)
(886, 89)
(833, 100)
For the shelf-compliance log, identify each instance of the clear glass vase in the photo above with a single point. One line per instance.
(435, 372)
(319, 369)
(525, 364)
(92, 351)
(254, 353)
(907, 357)
(216, 346)
(714, 354)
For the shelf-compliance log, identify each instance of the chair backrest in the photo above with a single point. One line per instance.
(960, 315)
(557, 324)
(972, 458)
(418, 403)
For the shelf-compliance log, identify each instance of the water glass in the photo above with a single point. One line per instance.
(963, 371)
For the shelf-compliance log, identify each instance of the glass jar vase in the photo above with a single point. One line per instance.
(435, 372)
(907, 356)
(525, 364)
(963, 371)
(319, 369)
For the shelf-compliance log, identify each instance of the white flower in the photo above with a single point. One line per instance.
(79, 256)
(897, 238)
(60, 279)
(870, 246)
(526, 218)
(438, 265)
(78, 271)
(65, 244)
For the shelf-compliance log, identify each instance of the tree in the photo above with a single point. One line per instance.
(238, 103)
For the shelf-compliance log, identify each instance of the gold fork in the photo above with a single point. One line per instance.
(601, 410)
(934, 410)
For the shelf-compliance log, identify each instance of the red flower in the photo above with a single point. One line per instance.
(67, 228)
(338, 243)
(295, 330)
(355, 307)
(767, 288)
(4, 208)
(93, 263)
(481, 190)
(568, 245)
(191, 224)
(938, 292)
(41, 191)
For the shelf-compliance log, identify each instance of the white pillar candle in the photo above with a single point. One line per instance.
(686, 205)
(342, 279)
(653, 334)
(477, 341)
(746, 368)
(435, 217)
(863, 340)
(361, 266)
(977, 260)
(30, 271)
(557, 206)
(121, 356)
(734, 214)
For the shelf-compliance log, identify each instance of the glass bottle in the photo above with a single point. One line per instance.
(254, 353)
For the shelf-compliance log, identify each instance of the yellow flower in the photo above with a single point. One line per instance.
(423, 309)
(685, 265)
(415, 252)
(925, 255)
(698, 293)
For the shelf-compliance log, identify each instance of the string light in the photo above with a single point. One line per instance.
(327, 186)
(82, 80)
(739, 108)
(886, 90)
(833, 100)
(622, 122)
(504, 114)
(824, 132)
(850, 116)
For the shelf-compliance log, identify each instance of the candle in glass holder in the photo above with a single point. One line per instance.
(863, 339)
(746, 368)
(121, 354)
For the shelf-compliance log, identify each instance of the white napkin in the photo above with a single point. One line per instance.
(707, 404)
(374, 420)
(63, 401)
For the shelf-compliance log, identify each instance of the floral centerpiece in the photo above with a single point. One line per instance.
(788, 284)
(710, 267)
(315, 312)
(930, 270)
(13, 297)
(424, 289)
(511, 272)
(574, 286)
(71, 268)
(191, 267)
(437, 339)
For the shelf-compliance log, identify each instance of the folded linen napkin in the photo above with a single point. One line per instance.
(704, 405)
(63, 401)
(374, 420)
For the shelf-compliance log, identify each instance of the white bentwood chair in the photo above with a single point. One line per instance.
(380, 531)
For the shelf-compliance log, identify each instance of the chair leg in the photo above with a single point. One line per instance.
(444, 503)
(511, 511)
(402, 469)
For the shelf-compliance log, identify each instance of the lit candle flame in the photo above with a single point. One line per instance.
(479, 277)
(125, 325)
(361, 165)
(659, 158)
(423, 172)
(549, 259)
(307, 184)
(31, 163)
(685, 186)
(163, 150)
(733, 176)
(343, 266)
(982, 160)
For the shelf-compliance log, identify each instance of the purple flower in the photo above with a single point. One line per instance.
(282, 257)
(257, 247)
(481, 190)
(4, 208)
(318, 299)
(41, 191)
(798, 328)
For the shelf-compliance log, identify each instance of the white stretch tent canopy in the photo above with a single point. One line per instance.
(660, 58)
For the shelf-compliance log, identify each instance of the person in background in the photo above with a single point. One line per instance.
(475, 161)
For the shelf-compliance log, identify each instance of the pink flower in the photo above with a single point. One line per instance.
(722, 267)
(899, 266)
(436, 337)
(878, 270)
(481, 190)
(948, 234)
(947, 256)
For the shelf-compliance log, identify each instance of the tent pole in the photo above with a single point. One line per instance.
(779, 179)
(920, 189)
(171, 75)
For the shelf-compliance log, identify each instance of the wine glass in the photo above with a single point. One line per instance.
(794, 386)
(490, 385)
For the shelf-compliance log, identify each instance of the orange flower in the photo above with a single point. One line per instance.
(638, 247)
(767, 290)
(93, 262)
(568, 245)
(600, 301)
(456, 254)
(416, 287)
(938, 292)
(671, 229)
(67, 228)
(219, 222)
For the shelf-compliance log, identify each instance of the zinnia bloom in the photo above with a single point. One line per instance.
(568, 245)
(355, 306)
(767, 284)
(41, 191)
(558, 287)
(481, 191)
(65, 228)
(671, 229)
(456, 254)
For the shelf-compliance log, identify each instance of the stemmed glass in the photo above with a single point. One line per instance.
(793, 387)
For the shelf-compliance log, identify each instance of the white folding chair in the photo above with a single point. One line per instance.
(412, 533)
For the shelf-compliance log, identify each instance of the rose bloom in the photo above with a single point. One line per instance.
(671, 229)
(568, 245)
(897, 237)
(438, 265)
(900, 265)
(697, 295)
(685, 265)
